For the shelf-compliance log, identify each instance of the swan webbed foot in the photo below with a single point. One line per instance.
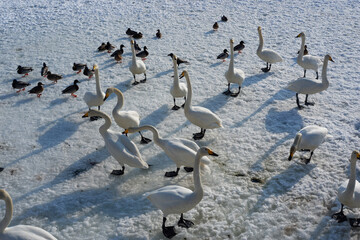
(145, 140)
(188, 169)
(118, 172)
(175, 107)
(94, 118)
(235, 94)
(185, 223)
(305, 160)
(143, 81)
(198, 136)
(227, 92)
(183, 105)
(135, 83)
(169, 232)
(1, 169)
(340, 217)
(309, 103)
(265, 69)
(172, 173)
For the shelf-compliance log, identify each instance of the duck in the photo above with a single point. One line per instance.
(216, 26)
(118, 145)
(267, 55)
(239, 47)
(53, 77)
(180, 150)
(109, 47)
(307, 86)
(233, 75)
(38, 89)
(308, 139)
(179, 60)
(224, 55)
(24, 70)
(136, 66)
(19, 232)
(95, 99)
(138, 35)
(199, 116)
(306, 52)
(78, 67)
(136, 47)
(19, 85)
(130, 32)
(72, 88)
(349, 192)
(87, 72)
(174, 199)
(177, 90)
(118, 51)
(143, 54)
(224, 18)
(158, 34)
(102, 48)
(124, 119)
(118, 58)
(44, 70)
(308, 61)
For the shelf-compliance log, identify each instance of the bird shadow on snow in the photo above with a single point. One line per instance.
(160, 74)
(256, 78)
(9, 95)
(216, 64)
(156, 117)
(216, 102)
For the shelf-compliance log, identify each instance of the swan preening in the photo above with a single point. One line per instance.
(308, 61)
(136, 66)
(349, 191)
(177, 90)
(233, 75)
(124, 119)
(307, 86)
(119, 146)
(200, 116)
(19, 232)
(267, 55)
(181, 151)
(175, 199)
(308, 139)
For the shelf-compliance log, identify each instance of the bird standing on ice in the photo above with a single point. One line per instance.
(136, 66)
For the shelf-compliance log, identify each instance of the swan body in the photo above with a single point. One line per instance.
(181, 151)
(19, 232)
(308, 61)
(119, 146)
(307, 86)
(95, 99)
(308, 139)
(178, 89)
(199, 116)
(175, 199)
(267, 55)
(136, 66)
(233, 75)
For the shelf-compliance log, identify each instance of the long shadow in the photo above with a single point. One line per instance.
(156, 116)
(255, 78)
(9, 95)
(26, 100)
(57, 101)
(216, 64)
(160, 74)
(215, 103)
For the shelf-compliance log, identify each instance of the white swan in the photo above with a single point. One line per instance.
(349, 191)
(95, 99)
(175, 199)
(19, 232)
(267, 55)
(307, 61)
(308, 139)
(233, 75)
(178, 89)
(136, 66)
(200, 116)
(181, 151)
(118, 145)
(307, 86)
(124, 119)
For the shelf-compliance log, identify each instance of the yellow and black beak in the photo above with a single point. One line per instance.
(182, 75)
(86, 115)
(330, 58)
(126, 131)
(106, 96)
(298, 35)
(212, 153)
(358, 155)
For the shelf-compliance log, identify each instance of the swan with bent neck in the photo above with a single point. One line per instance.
(19, 232)
(119, 146)
(307, 86)
(177, 90)
(233, 75)
(136, 66)
(181, 151)
(175, 199)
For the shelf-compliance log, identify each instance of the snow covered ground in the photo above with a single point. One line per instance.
(58, 171)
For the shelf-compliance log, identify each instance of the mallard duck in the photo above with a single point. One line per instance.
(109, 47)
(37, 89)
(239, 47)
(137, 35)
(24, 70)
(224, 55)
(216, 26)
(130, 32)
(143, 54)
(71, 89)
(78, 67)
(158, 34)
(44, 70)
(118, 51)
(19, 85)
(224, 18)
(102, 48)
(53, 77)
(88, 72)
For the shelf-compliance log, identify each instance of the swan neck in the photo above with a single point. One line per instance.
(176, 75)
(297, 140)
(98, 86)
(103, 128)
(8, 213)
(302, 47)
(120, 100)
(133, 54)
(324, 71)
(189, 93)
(261, 42)
(352, 179)
(196, 175)
(231, 64)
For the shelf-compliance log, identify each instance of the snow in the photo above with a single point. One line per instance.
(58, 171)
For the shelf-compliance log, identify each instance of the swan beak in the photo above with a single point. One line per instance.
(132, 42)
(106, 96)
(358, 155)
(298, 35)
(182, 75)
(86, 115)
(331, 59)
(212, 153)
(291, 156)
(231, 40)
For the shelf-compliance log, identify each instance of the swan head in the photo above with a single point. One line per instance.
(330, 58)
(294, 146)
(132, 42)
(300, 35)
(231, 41)
(108, 92)
(259, 29)
(355, 155)
(210, 152)
(183, 74)
(95, 66)
(3, 194)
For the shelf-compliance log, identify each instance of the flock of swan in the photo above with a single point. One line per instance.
(186, 153)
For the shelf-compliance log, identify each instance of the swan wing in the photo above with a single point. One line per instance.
(203, 117)
(305, 86)
(26, 232)
(126, 119)
(270, 56)
(312, 137)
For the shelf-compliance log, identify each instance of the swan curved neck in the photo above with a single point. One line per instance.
(324, 71)
(302, 47)
(98, 86)
(133, 54)
(176, 75)
(261, 41)
(8, 213)
(196, 175)
(297, 140)
(152, 129)
(120, 99)
(103, 128)
(231, 64)
(189, 93)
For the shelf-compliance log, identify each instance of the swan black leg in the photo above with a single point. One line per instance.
(144, 80)
(172, 173)
(144, 140)
(304, 72)
(175, 107)
(340, 216)
(168, 232)
(118, 172)
(317, 75)
(298, 102)
(307, 160)
(183, 103)
(199, 135)
(267, 68)
(135, 82)
(188, 169)
(236, 94)
(227, 92)
(185, 223)
(308, 103)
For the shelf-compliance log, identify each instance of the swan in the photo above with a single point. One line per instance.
(136, 66)
(19, 232)
(119, 146)
(200, 116)
(349, 191)
(308, 139)
(307, 86)
(267, 55)
(92, 99)
(181, 151)
(124, 119)
(233, 75)
(308, 61)
(175, 199)
(177, 90)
